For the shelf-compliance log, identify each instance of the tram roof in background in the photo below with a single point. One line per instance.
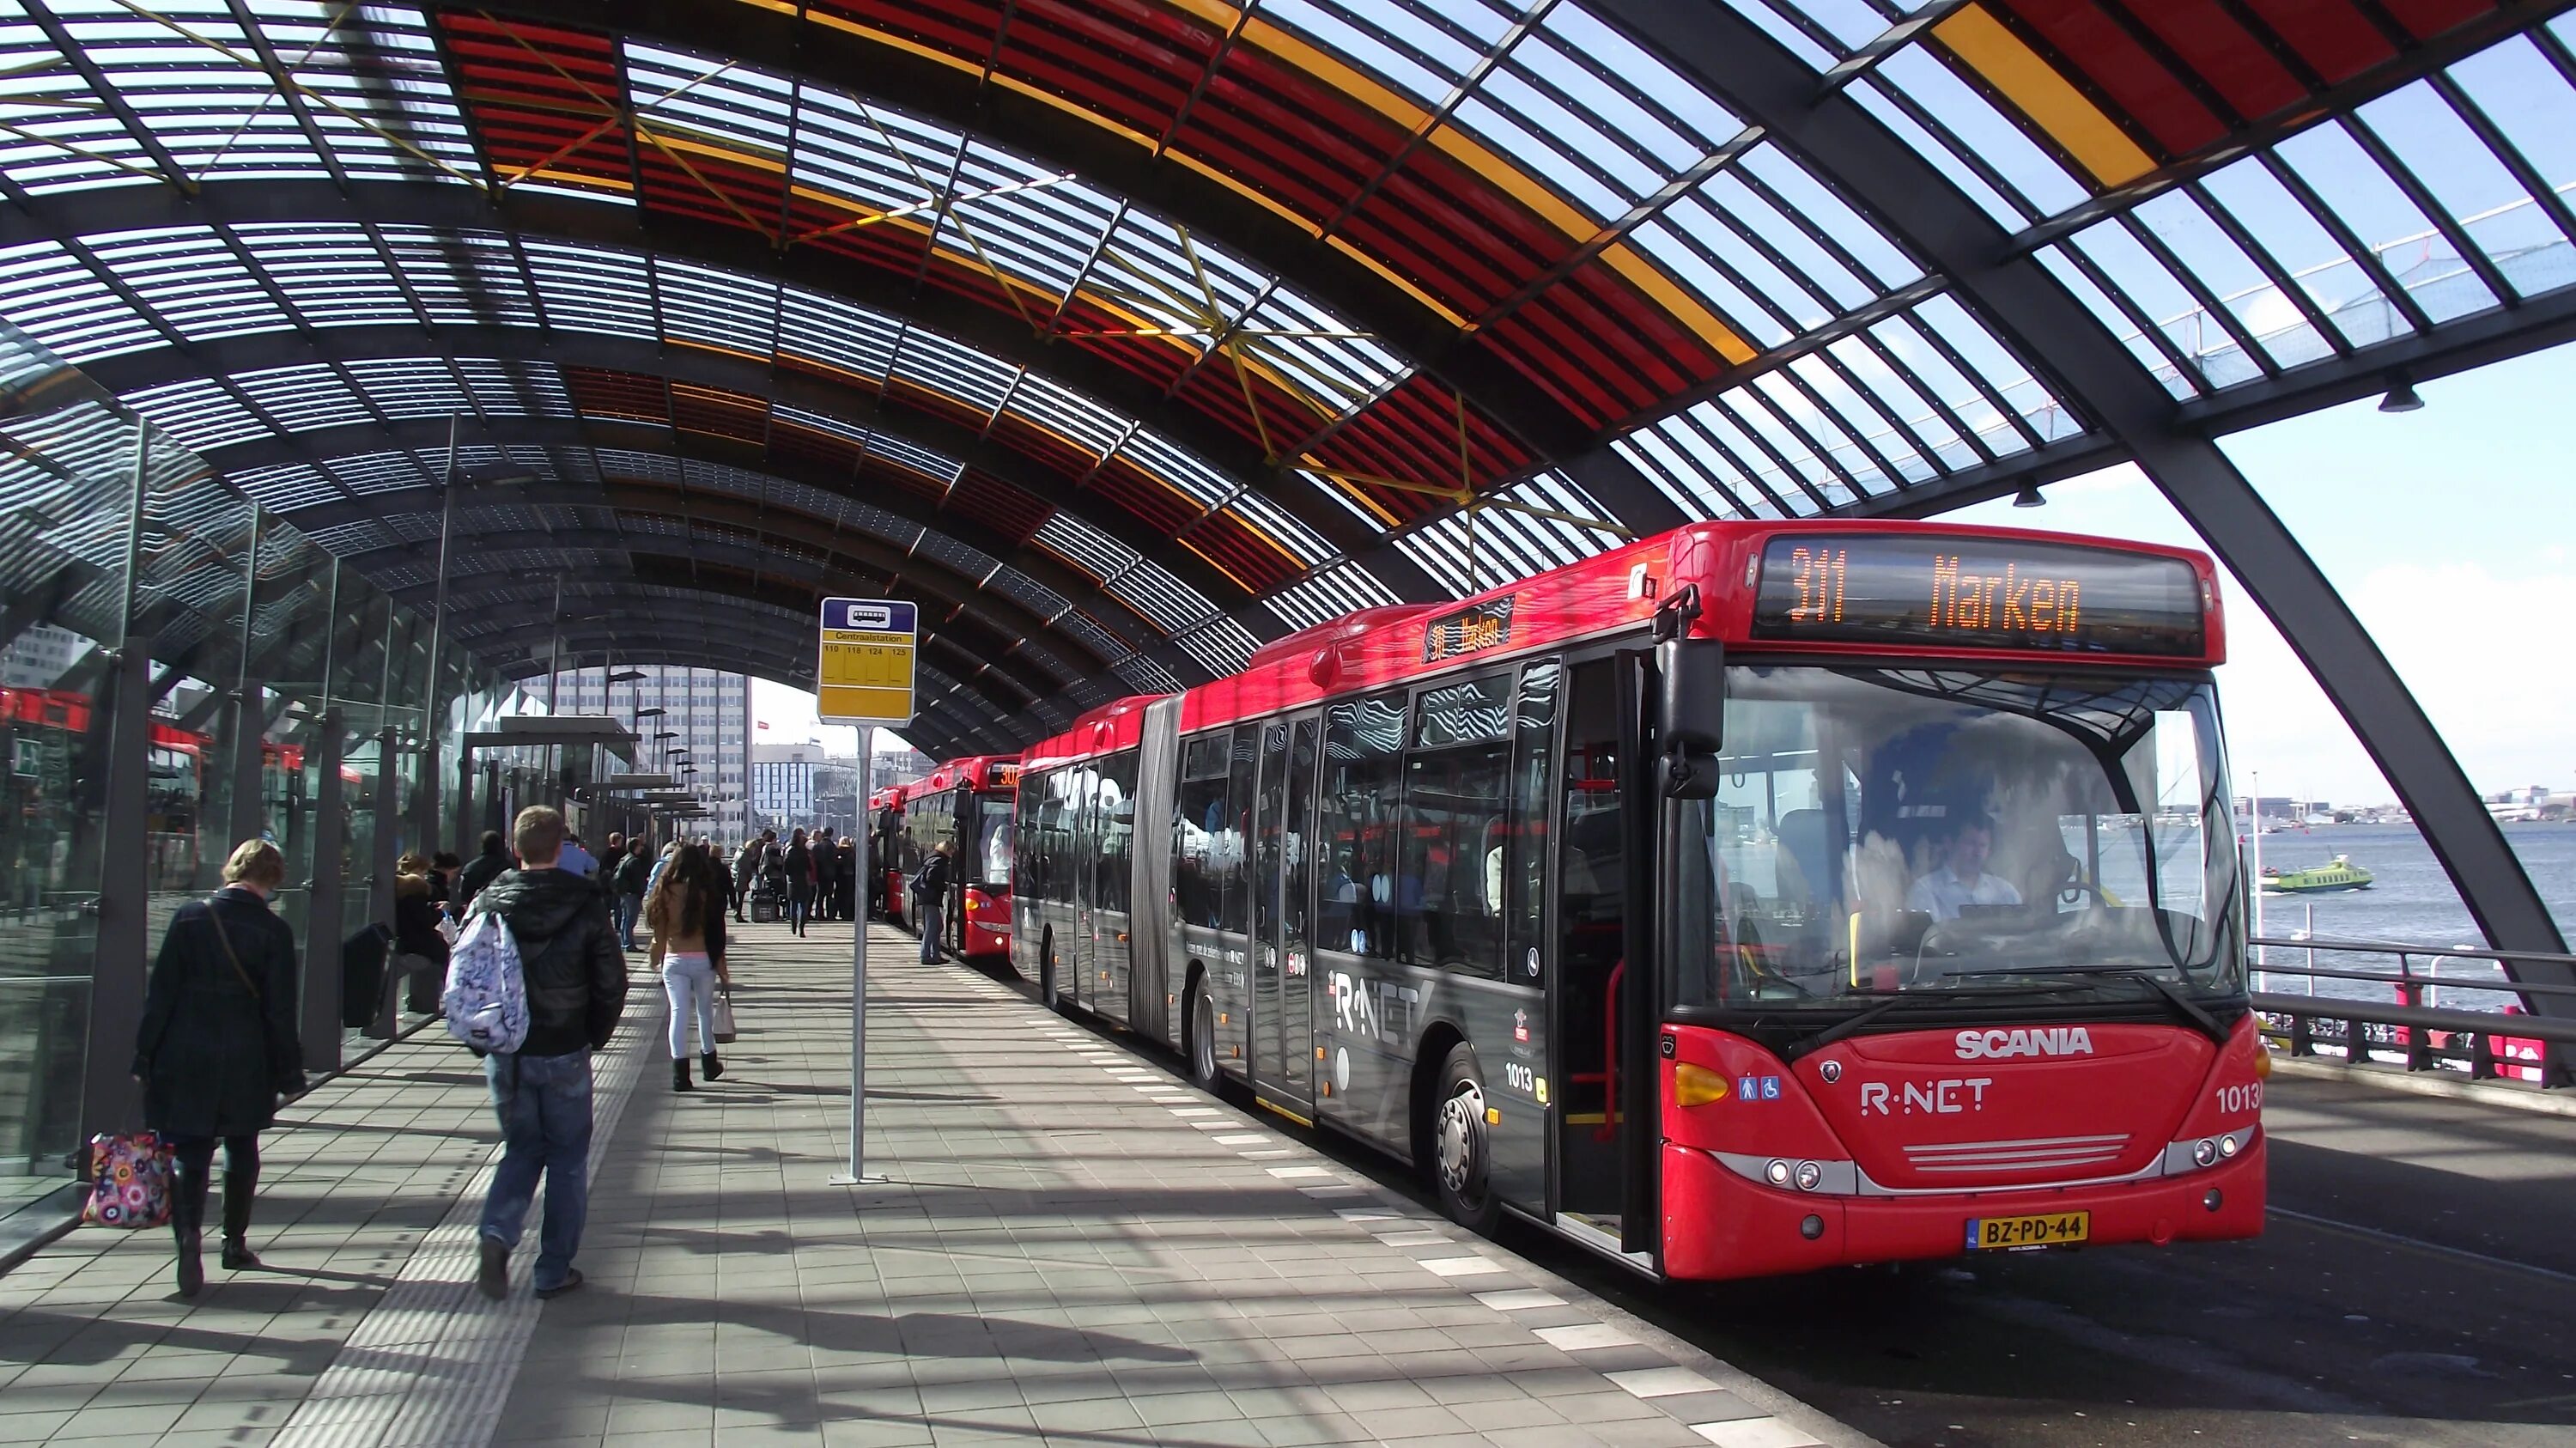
(1622, 590)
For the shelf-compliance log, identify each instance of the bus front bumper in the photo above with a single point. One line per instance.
(1718, 1225)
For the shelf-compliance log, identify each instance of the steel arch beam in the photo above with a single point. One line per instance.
(428, 435)
(2014, 294)
(228, 357)
(686, 559)
(788, 634)
(639, 230)
(654, 495)
(523, 647)
(868, 554)
(1149, 177)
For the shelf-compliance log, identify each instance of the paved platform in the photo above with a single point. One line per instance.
(1070, 1246)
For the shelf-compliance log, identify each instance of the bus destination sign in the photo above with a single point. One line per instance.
(1470, 630)
(1955, 591)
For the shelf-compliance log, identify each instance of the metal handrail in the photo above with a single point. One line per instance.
(2425, 1036)
(2408, 947)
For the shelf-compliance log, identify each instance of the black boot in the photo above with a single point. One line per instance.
(715, 1068)
(680, 1075)
(241, 1179)
(187, 1221)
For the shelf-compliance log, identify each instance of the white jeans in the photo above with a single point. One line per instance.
(689, 979)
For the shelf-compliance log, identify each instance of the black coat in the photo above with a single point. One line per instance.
(215, 1056)
(575, 970)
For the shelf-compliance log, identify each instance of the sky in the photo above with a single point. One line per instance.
(2447, 530)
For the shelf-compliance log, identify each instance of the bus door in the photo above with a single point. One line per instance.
(1282, 1030)
(1082, 952)
(1591, 969)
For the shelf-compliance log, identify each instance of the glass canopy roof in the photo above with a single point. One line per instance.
(1181, 323)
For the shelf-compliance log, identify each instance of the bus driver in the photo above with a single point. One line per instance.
(1962, 879)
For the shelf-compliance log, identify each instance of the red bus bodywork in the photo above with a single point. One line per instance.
(2111, 1131)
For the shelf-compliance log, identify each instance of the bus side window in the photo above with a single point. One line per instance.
(1532, 784)
(1356, 813)
(1234, 843)
(1117, 829)
(1198, 819)
(1448, 892)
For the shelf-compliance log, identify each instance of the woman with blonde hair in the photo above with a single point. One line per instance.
(685, 912)
(217, 1048)
(420, 952)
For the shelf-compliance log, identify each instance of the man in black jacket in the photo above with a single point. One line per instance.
(576, 980)
(484, 869)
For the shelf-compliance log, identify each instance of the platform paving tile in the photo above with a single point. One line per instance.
(1067, 1246)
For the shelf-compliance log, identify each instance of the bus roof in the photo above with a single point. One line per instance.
(1606, 594)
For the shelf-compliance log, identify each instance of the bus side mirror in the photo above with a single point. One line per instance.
(1690, 714)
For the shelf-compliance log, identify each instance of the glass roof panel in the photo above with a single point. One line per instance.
(1221, 645)
(2132, 335)
(49, 293)
(2339, 287)
(1084, 546)
(2037, 182)
(195, 282)
(719, 309)
(1329, 594)
(1943, 152)
(2363, 195)
(2464, 176)
(2224, 269)
(1148, 588)
(592, 289)
(198, 412)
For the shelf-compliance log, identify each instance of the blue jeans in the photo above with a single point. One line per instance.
(630, 908)
(544, 1106)
(927, 906)
(690, 981)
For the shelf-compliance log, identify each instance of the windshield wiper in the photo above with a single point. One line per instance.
(2184, 1006)
(1808, 1045)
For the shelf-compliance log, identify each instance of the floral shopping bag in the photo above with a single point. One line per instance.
(129, 1180)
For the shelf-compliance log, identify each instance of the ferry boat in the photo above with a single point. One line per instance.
(2341, 874)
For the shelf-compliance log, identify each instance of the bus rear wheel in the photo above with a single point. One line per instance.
(1047, 976)
(1202, 1042)
(1461, 1152)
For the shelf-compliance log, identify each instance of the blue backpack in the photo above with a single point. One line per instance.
(486, 999)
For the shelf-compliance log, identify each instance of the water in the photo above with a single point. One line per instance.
(2410, 900)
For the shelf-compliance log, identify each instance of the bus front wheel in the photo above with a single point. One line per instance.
(1460, 1149)
(1046, 976)
(1202, 1043)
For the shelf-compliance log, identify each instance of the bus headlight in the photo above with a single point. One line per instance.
(2204, 1152)
(1778, 1173)
(1808, 1175)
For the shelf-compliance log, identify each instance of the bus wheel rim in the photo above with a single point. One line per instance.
(1460, 1116)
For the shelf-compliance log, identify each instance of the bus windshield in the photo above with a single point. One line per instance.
(990, 861)
(1880, 831)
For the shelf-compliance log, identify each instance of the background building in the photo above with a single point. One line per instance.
(704, 712)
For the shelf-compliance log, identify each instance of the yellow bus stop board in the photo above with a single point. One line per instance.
(863, 674)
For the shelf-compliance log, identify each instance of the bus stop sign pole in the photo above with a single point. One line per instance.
(864, 676)
(857, 1174)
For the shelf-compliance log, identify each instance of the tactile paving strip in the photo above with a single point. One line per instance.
(433, 1361)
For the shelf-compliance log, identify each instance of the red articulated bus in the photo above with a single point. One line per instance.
(1752, 899)
(966, 802)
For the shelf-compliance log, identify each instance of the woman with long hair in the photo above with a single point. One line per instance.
(420, 952)
(800, 881)
(218, 1047)
(685, 912)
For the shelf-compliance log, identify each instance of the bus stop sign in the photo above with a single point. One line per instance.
(864, 672)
